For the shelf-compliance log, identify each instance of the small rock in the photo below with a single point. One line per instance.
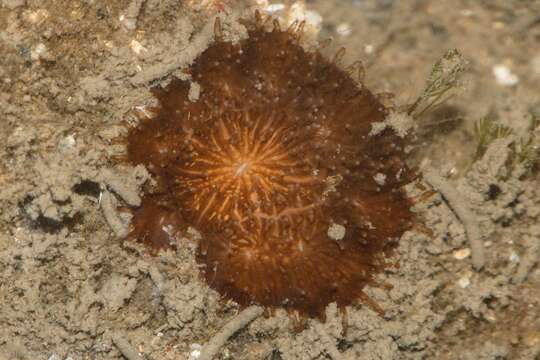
(520, 209)
(128, 22)
(505, 76)
(380, 179)
(514, 257)
(195, 352)
(368, 48)
(344, 29)
(194, 91)
(336, 232)
(137, 47)
(40, 52)
(433, 249)
(67, 143)
(464, 282)
(462, 253)
(36, 17)
(13, 4)
(272, 8)
(490, 316)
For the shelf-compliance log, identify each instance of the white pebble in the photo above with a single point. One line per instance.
(380, 179)
(368, 48)
(490, 316)
(336, 232)
(464, 282)
(38, 52)
(195, 351)
(505, 76)
(462, 253)
(67, 143)
(136, 47)
(514, 257)
(194, 91)
(274, 8)
(344, 29)
(38, 16)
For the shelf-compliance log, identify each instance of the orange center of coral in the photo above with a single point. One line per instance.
(239, 167)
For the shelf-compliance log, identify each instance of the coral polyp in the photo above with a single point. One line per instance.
(274, 155)
(243, 167)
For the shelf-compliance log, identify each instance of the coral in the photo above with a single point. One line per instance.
(275, 151)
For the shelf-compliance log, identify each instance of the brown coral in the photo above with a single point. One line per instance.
(275, 152)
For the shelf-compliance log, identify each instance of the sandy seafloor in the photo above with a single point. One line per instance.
(71, 72)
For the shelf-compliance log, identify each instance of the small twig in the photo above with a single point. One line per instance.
(131, 15)
(463, 213)
(527, 263)
(328, 342)
(240, 321)
(118, 185)
(127, 350)
(111, 215)
(157, 278)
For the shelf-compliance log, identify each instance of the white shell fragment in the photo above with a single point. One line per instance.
(464, 282)
(274, 8)
(336, 232)
(344, 29)
(195, 352)
(67, 143)
(462, 253)
(380, 179)
(514, 257)
(194, 91)
(369, 48)
(504, 76)
(39, 51)
(136, 47)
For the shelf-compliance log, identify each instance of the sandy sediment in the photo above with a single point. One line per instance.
(70, 74)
